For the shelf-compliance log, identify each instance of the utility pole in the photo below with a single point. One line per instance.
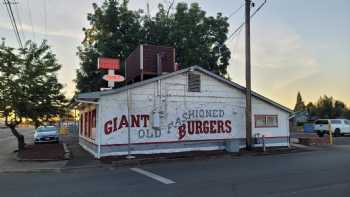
(248, 109)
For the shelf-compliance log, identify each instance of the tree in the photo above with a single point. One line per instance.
(197, 38)
(339, 110)
(115, 31)
(311, 109)
(325, 107)
(299, 106)
(29, 86)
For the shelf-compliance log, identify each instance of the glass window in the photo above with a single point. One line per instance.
(260, 121)
(347, 122)
(336, 121)
(266, 121)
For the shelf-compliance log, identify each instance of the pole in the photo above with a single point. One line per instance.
(330, 132)
(129, 156)
(248, 77)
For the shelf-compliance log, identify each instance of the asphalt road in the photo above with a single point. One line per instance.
(324, 172)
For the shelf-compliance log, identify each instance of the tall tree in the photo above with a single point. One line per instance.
(299, 105)
(28, 86)
(197, 38)
(311, 109)
(325, 106)
(115, 31)
(339, 109)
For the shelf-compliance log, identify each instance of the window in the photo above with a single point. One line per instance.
(321, 122)
(86, 122)
(94, 118)
(262, 121)
(347, 122)
(336, 121)
(194, 82)
(81, 124)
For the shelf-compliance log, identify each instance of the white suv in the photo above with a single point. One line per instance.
(338, 126)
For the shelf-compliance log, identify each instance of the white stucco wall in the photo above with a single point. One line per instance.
(170, 99)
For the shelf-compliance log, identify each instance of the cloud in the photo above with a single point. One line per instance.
(49, 32)
(279, 56)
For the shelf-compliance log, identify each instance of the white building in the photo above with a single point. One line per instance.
(190, 109)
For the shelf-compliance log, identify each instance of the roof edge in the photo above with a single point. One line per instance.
(97, 94)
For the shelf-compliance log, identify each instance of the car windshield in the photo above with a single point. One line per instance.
(46, 129)
(321, 122)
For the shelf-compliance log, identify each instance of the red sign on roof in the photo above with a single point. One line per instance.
(116, 78)
(108, 63)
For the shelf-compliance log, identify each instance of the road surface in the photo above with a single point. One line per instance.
(325, 172)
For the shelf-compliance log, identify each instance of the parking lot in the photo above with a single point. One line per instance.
(312, 173)
(321, 172)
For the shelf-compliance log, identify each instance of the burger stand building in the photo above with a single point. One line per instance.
(186, 110)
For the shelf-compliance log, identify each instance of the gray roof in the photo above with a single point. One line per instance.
(96, 95)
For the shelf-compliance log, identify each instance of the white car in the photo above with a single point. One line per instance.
(46, 134)
(338, 126)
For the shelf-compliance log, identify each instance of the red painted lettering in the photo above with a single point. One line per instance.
(220, 126)
(199, 127)
(108, 127)
(135, 120)
(123, 122)
(206, 126)
(182, 131)
(212, 126)
(115, 123)
(145, 118)
(190, 127)
(228, 126)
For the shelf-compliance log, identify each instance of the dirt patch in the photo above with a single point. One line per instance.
(42, 152)
(309, 141)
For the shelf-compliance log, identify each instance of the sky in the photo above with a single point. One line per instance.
(296, 45)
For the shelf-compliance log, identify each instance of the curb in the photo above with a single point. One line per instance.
(48, 170)
(39, 170)
(67, 154)
(141, 161)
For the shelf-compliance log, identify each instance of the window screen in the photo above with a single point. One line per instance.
(266, 121)
(194, 82)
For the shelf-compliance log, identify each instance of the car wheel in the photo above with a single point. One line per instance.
(337, 132)
(320, 133)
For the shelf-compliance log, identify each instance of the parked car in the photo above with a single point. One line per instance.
(338, 126)
(46, 134)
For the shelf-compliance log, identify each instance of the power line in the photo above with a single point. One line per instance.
(235, 11)
(251, 16)
(30, 19)
(13, 22)
(45, 17)
(20, 21)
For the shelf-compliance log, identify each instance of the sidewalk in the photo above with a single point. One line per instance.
(79, 158)
(9, 162)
